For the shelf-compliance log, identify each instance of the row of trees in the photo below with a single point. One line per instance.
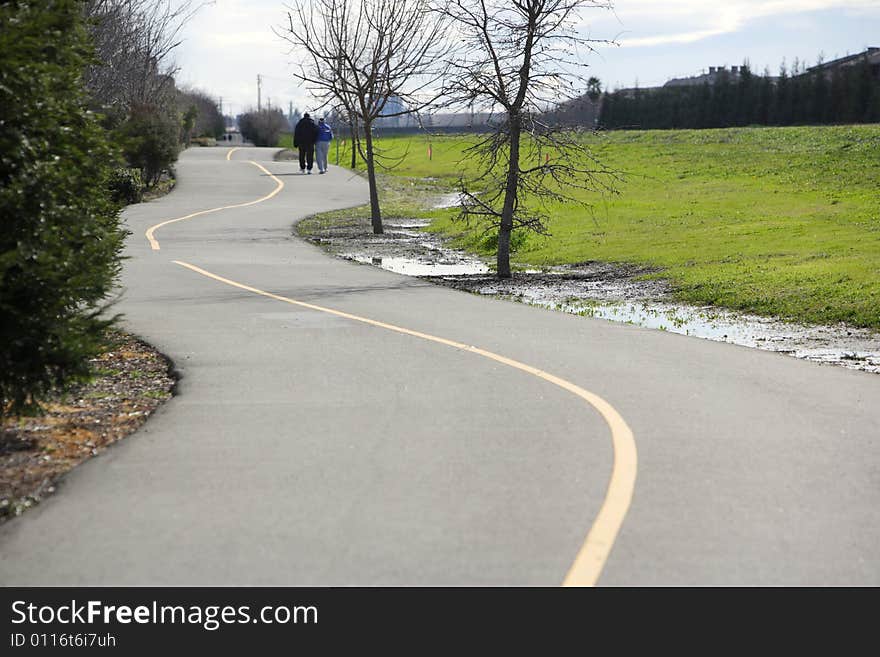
(374, 59)
(845, 94)
(88, 112)
(130, 82)
(201, 116)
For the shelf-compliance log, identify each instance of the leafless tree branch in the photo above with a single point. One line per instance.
(134, 42)
(519, 57)
(373, 59)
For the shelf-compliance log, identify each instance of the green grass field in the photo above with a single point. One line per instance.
(286, 140)
(777, 221)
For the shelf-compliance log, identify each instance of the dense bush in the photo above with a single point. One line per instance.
(126, 186)
(61, 238)
(149, 141)
(201, 116)
(263, 128)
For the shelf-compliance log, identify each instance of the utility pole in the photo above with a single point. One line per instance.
(221, 105)
(259, 82)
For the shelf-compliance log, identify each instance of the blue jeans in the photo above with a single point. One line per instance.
(321, 150)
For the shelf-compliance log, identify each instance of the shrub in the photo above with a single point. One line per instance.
(201, 115)
(61, 237)
(126, 186)
(149, 140)
(263, 128)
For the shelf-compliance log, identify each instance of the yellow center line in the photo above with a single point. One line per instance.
(154, 243)
(591, 558)
(231, 151)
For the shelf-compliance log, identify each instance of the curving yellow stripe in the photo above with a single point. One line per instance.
(231, 151)
(591, 558)
(154, 243)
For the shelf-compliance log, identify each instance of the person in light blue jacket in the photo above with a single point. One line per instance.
(322, 146)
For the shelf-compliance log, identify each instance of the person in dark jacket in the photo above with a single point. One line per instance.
(304, 136)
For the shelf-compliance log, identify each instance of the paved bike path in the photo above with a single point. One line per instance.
(309, 449)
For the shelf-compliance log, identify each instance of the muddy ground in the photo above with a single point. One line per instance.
(593, 289)
(129, 383)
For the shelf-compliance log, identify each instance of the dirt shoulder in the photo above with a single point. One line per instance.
(131, 380)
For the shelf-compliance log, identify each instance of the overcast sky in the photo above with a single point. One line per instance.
(229, 42)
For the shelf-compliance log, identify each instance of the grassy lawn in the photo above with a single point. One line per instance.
(776, 221)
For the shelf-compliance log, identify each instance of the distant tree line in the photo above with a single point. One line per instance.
(843, 94)
(130, 85)
(201, 117)
(263, 127)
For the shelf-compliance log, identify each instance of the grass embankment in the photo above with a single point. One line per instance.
(286, 140)
(776, 221)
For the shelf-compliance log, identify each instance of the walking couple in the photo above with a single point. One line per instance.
(313, 142)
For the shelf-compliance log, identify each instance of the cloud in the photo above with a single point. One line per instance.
(237, 39)
(647, 23)
(681, 37)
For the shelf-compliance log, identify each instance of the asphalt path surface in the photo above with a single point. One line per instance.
(305, 448)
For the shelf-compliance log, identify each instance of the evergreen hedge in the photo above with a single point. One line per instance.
(848, 94)
(61, 238)
(126, 185)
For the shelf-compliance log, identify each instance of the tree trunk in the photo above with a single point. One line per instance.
(510, 190)
(375, 212)
(354, 135)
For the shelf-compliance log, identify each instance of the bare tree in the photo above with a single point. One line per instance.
(518, 58)
(134, 41)
(359, 55)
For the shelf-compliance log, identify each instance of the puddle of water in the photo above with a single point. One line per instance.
(413, 224)
(418, 267)
(452, 200)
(607, 292)
(852, 348)
(636, 302)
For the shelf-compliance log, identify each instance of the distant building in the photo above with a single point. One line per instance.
(715, 74)
(461, 120)
(871, 56)
(581, 111)
(439, 122)
(394, 105)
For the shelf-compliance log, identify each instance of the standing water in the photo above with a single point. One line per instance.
(602, 291)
